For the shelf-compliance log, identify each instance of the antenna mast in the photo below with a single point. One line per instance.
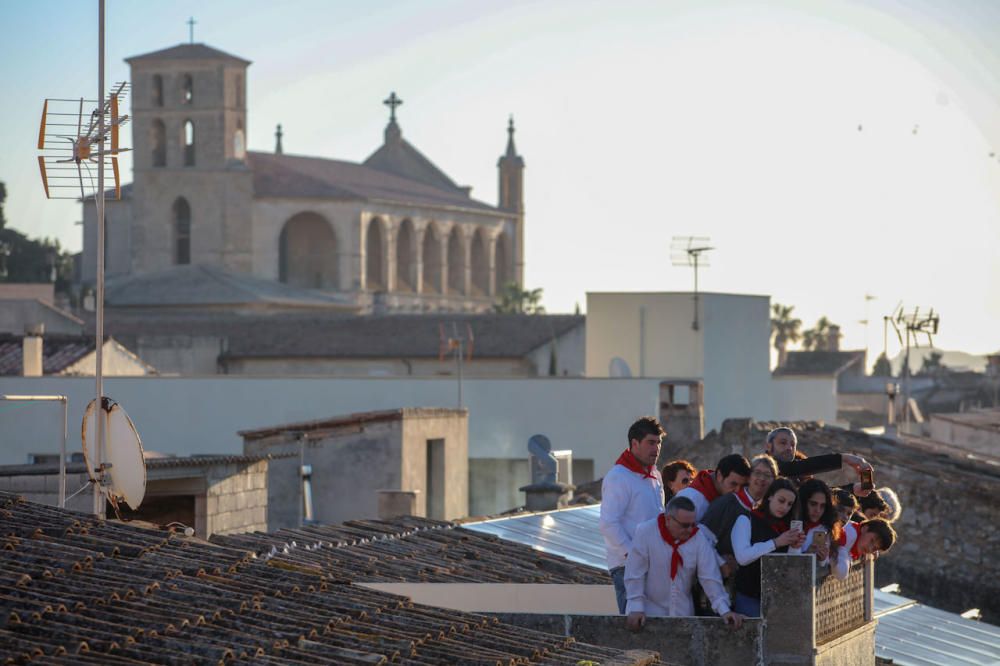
(459, 345)
(912, 326)
(687, 251)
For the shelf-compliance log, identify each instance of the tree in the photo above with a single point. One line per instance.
(932, 364)
(817, 338)
(784, 329)
(882, 367)
(515, 300)
(23, 259)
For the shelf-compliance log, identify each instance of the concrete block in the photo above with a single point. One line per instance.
(788, 601)
(227, 503)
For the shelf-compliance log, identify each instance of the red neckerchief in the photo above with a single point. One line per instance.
(743, 497)
(842, 541)
(778, 526)
(675, 559)
(628, 460)
(810, 525)
(704, 483)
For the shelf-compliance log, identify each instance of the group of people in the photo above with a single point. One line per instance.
(671, 532)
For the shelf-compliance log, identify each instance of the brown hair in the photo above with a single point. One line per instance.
(882, 528)
(672, 468)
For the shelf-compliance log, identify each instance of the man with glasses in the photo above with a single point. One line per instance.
(723, 512)
(668, 553)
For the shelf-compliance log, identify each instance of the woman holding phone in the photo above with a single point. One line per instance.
(764, 531)
(820, 520)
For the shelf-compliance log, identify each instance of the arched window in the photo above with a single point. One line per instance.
(374, 248)
(239, 142)
(158, 141)
(182, 231)
(501, 262)
(157, 90)
(187, 89)
(480, 265)
(308, 252)
(188, 143)
(432, 261)
(406, 265)
(456, 263)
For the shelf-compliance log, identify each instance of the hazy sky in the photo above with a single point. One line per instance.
(638, 121)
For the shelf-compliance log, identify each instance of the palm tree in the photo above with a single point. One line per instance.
(818, 337)
(515, 300)
(784, 329)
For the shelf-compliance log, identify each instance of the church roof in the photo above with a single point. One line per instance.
(187, 52)
(397, 156)
(197, 285)
(296, 176)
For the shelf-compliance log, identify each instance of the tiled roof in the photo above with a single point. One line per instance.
(405, 335)
(296, 176)
(819, 362)
(399, 157)
(187, 52)
(197, 285)
(58, 352)
(74, 589)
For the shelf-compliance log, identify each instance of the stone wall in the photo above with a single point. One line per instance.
(236, 498)
(947, 528)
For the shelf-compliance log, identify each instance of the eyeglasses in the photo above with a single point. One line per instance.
(683, 526)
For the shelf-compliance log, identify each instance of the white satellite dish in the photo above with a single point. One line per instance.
(618, 367)
(122, 449)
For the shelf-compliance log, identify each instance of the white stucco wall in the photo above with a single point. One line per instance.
(805, 399)
(202, 415)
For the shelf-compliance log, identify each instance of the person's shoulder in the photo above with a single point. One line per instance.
(688, 492)
(616, 474)
(649, 525)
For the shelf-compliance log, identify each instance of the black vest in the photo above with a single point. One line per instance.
(748, 577)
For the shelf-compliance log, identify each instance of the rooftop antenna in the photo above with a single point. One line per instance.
(687, 251)
(119, 473)
(80, 141)
(459, 345)
(909, 328)
(866, 321)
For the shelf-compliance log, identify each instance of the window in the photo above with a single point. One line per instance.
(157, 90)
(188, 143)
(159, 143)
(187, 89)
(182, 232)
(239, 141)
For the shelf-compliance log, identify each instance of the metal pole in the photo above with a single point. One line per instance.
(461, 351)
(695, 324)
(99, 334)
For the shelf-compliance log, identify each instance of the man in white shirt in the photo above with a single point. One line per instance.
(632, 493)
(668, 553)
(860, 539)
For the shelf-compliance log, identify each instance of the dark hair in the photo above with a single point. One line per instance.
(644, 426)
(734, 462)
(679, 503)
(830, 518)
(673, 468)
(846, 498)
(873, 501)
(882, 528)
(772, 490)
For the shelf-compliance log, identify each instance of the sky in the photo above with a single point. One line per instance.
(830, 150)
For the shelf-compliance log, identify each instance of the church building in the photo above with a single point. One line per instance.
(391, 234)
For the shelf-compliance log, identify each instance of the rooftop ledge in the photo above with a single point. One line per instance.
(805, 620)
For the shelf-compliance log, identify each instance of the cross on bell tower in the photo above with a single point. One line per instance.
(392, 102)
(191, 22)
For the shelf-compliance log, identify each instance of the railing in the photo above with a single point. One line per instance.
(844, 605)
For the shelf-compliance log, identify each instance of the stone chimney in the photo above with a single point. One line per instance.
(833, 338)
(682, 412)
(32, 349)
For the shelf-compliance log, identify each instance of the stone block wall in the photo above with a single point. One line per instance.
(236, 499)
(44, 489)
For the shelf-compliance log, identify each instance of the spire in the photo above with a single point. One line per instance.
(277, 140)
(392, 131)
(511, 168)
(511, 150)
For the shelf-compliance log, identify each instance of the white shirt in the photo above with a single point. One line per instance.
(745, 551)
(700, 501)
(843, 565)
(627, 499)
(648, 585)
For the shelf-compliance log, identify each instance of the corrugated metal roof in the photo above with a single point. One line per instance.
(909, 633)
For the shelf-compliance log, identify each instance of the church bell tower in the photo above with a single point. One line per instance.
(511, 168)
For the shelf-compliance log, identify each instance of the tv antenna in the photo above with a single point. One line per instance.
(909, 329)
(460, 346)
(687, 251)
(119, 473)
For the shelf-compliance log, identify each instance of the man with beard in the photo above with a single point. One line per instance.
(781, 443)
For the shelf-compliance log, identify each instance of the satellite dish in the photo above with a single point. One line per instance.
(619, 368)
(541, 461)
(122, 449)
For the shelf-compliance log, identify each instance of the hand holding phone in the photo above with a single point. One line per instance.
(867, 479)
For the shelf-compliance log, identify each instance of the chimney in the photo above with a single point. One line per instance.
(32, 349)
(833, 338)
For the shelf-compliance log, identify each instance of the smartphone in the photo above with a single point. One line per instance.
(819, 538)
(867, 479)
(796, 525)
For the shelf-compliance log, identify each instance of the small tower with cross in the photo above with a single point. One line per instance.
(510, 193)
(392, 132)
